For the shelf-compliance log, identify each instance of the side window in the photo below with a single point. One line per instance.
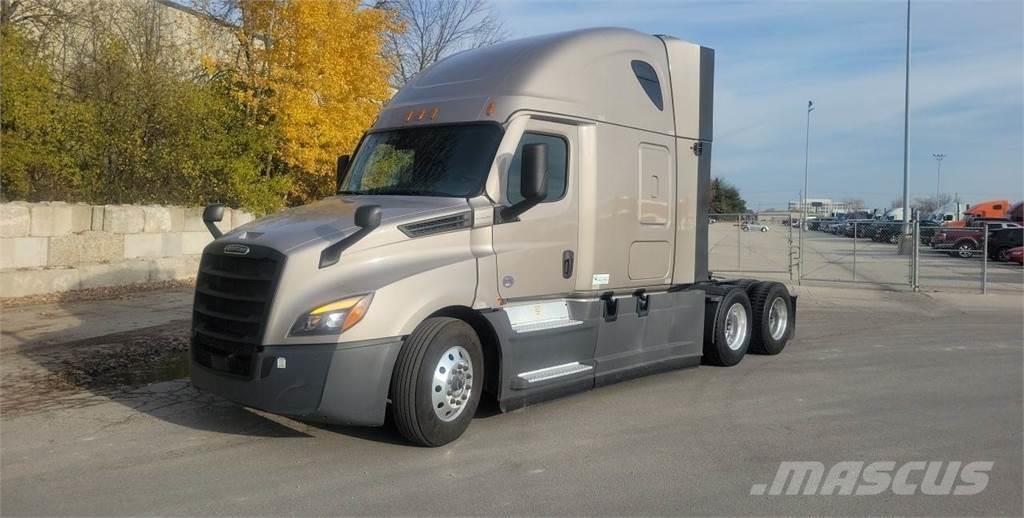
(648, 81)
(558, 166)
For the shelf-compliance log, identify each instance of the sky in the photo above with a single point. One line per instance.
(771, 57)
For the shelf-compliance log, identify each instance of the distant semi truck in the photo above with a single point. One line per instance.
(995, 209)
(523, 220)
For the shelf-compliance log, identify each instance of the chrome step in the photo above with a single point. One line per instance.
(540, 316)
(526, 379)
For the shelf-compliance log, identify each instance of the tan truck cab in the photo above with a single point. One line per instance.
(522, 221)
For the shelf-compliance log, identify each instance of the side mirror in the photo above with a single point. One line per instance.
(367, 218)
(341, 172)
(533, 181)
(211, 215)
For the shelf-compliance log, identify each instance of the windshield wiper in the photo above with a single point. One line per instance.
(349, 192)
(410, 192)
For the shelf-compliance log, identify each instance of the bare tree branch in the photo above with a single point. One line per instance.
(434, 29)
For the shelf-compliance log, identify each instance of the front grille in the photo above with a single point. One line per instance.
(232, 303)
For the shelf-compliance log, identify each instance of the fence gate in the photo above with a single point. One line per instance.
(747, 245)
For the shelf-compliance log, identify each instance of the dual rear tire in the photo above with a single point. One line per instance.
(752, 317)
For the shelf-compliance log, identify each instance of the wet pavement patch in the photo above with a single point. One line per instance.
(49, 375)
(131, 364)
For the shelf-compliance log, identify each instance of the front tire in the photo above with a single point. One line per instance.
(438, 379)
(728, 341)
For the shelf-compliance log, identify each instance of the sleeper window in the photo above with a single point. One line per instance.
(557, 166)
(648, 81)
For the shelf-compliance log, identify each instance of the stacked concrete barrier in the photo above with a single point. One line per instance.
(54, 247)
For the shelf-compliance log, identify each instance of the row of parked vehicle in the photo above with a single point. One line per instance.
(964, 239)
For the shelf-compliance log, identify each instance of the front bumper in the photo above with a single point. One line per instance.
(343, 383)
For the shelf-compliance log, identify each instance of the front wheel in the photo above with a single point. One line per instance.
(437, 382)
(1003, 254)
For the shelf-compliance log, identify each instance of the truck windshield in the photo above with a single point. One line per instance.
(429, 161)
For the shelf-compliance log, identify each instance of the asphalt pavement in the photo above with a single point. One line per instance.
(871, 376)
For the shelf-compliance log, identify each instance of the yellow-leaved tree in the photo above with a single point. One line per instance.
(316, 70)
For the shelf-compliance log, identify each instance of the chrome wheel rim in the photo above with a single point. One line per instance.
(735, 326)
(778, 318)
(964, 251)
(452, 384)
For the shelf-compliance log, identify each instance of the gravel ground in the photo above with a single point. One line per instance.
(55, 376)
(105, 293)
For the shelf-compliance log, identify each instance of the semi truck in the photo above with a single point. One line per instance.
(522, 221)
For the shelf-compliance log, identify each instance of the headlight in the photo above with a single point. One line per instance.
(333, 318)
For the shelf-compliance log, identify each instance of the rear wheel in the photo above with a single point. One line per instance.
(437, 382)
(772, 310)
(729, 340)
(964, 249)
(1002, 254)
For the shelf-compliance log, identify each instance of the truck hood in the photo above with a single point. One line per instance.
(331, 219)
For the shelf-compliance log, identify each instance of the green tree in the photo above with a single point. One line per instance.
(725, 198)
(36, 128)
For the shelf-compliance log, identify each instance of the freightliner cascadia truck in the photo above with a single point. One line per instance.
(522, 221)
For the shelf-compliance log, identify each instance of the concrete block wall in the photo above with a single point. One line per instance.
(56, 246)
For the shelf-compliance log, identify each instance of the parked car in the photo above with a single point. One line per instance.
(819, 223)
(928, 230)
(1016, 255)
(886, 231)
(858, 226)
(965, 242)
(1001, 241)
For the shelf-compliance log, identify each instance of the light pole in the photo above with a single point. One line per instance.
(938, 173)
(803, 204)
(906, 133)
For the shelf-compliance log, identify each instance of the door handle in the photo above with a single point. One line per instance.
(567, 260)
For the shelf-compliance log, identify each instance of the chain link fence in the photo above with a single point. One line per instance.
(744, 244)
(918, 255)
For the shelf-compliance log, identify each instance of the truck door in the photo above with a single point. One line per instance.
(536, 256)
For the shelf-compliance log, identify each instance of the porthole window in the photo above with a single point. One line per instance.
(648, 81)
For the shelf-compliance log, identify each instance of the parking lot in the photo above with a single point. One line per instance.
(871, 376)
(831, 260)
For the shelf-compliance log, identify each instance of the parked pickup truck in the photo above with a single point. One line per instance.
(965, 242)
(1001, 241)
